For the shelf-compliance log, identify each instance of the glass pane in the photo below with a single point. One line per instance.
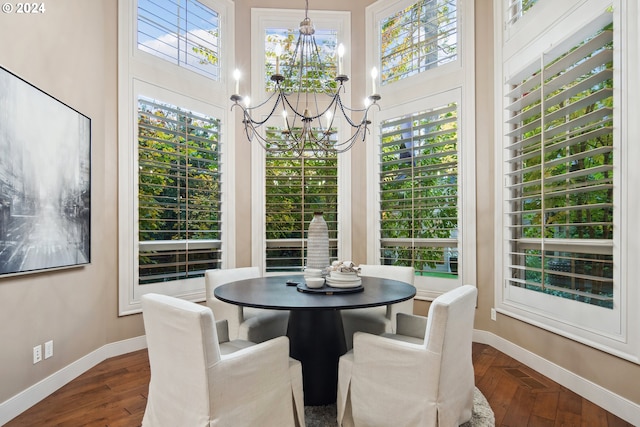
(583, 277)
(184, 32)
(317, 75)
(517, 8)
(418, 38)
(435, 261)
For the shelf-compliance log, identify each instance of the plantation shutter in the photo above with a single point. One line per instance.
(184, 32)
(178, 192)
(561, 172)
(295, 188)
(419, 191)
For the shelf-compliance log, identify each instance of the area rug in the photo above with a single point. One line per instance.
(325, 416)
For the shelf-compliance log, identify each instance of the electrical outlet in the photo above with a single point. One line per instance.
(493, 314)
(37, 354)
(48, 349)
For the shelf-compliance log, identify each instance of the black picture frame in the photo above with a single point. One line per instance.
(45, 180)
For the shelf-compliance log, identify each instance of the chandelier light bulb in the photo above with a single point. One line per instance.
(236, 77)
(340, 56)
(284, 118)
(328, 116)
(278, 52)
(374, 77)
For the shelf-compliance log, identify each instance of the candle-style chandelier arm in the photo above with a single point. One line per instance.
(252, 131)
(246, 110)
(365, 116)
(341, 147)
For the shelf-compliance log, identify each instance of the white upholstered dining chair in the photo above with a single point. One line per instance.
(194, 383)
(251, 324)
(412, 380)
(378, 320)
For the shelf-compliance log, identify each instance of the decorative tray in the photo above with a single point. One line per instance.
(328, 290)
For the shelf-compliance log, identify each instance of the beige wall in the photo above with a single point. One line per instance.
(71, 53)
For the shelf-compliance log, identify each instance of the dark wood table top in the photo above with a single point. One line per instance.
(272, 292)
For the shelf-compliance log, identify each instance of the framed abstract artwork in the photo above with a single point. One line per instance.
(45, 180)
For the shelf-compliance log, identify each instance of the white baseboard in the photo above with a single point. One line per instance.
(14, 406)
(617, 405)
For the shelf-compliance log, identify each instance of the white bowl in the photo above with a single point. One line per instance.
(314, 282)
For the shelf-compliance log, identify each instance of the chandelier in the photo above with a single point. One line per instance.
(308, 99)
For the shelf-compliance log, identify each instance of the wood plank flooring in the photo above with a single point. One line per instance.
(114, 394)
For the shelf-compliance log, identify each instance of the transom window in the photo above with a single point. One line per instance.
(418, 38)
(517, 8)
(184, 32)
(283, 41)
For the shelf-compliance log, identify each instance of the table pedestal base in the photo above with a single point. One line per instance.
(317, 341)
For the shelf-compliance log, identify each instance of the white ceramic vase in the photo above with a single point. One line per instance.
(318, 243)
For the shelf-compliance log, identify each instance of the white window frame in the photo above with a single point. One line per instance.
(451, 82)
(140, 73)
(616, 330)
(261, 20)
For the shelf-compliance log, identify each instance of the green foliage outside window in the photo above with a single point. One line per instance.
(178, 192)
(418, 38)
(419, 191)
(564, 191)
(317, 75)
(295, 188)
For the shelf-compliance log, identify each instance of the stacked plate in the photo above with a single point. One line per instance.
(343, 280)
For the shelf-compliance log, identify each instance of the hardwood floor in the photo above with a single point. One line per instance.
(114, 394)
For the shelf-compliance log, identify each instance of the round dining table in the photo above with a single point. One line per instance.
(315, 331)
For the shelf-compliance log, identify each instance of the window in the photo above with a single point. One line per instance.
(418, 38)
(174, 191)
(567, 198)
(184, 32)
(293, 188)
(419, 191)
(422, 164)
(561, 174)
(284, 39)
(178, 193)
